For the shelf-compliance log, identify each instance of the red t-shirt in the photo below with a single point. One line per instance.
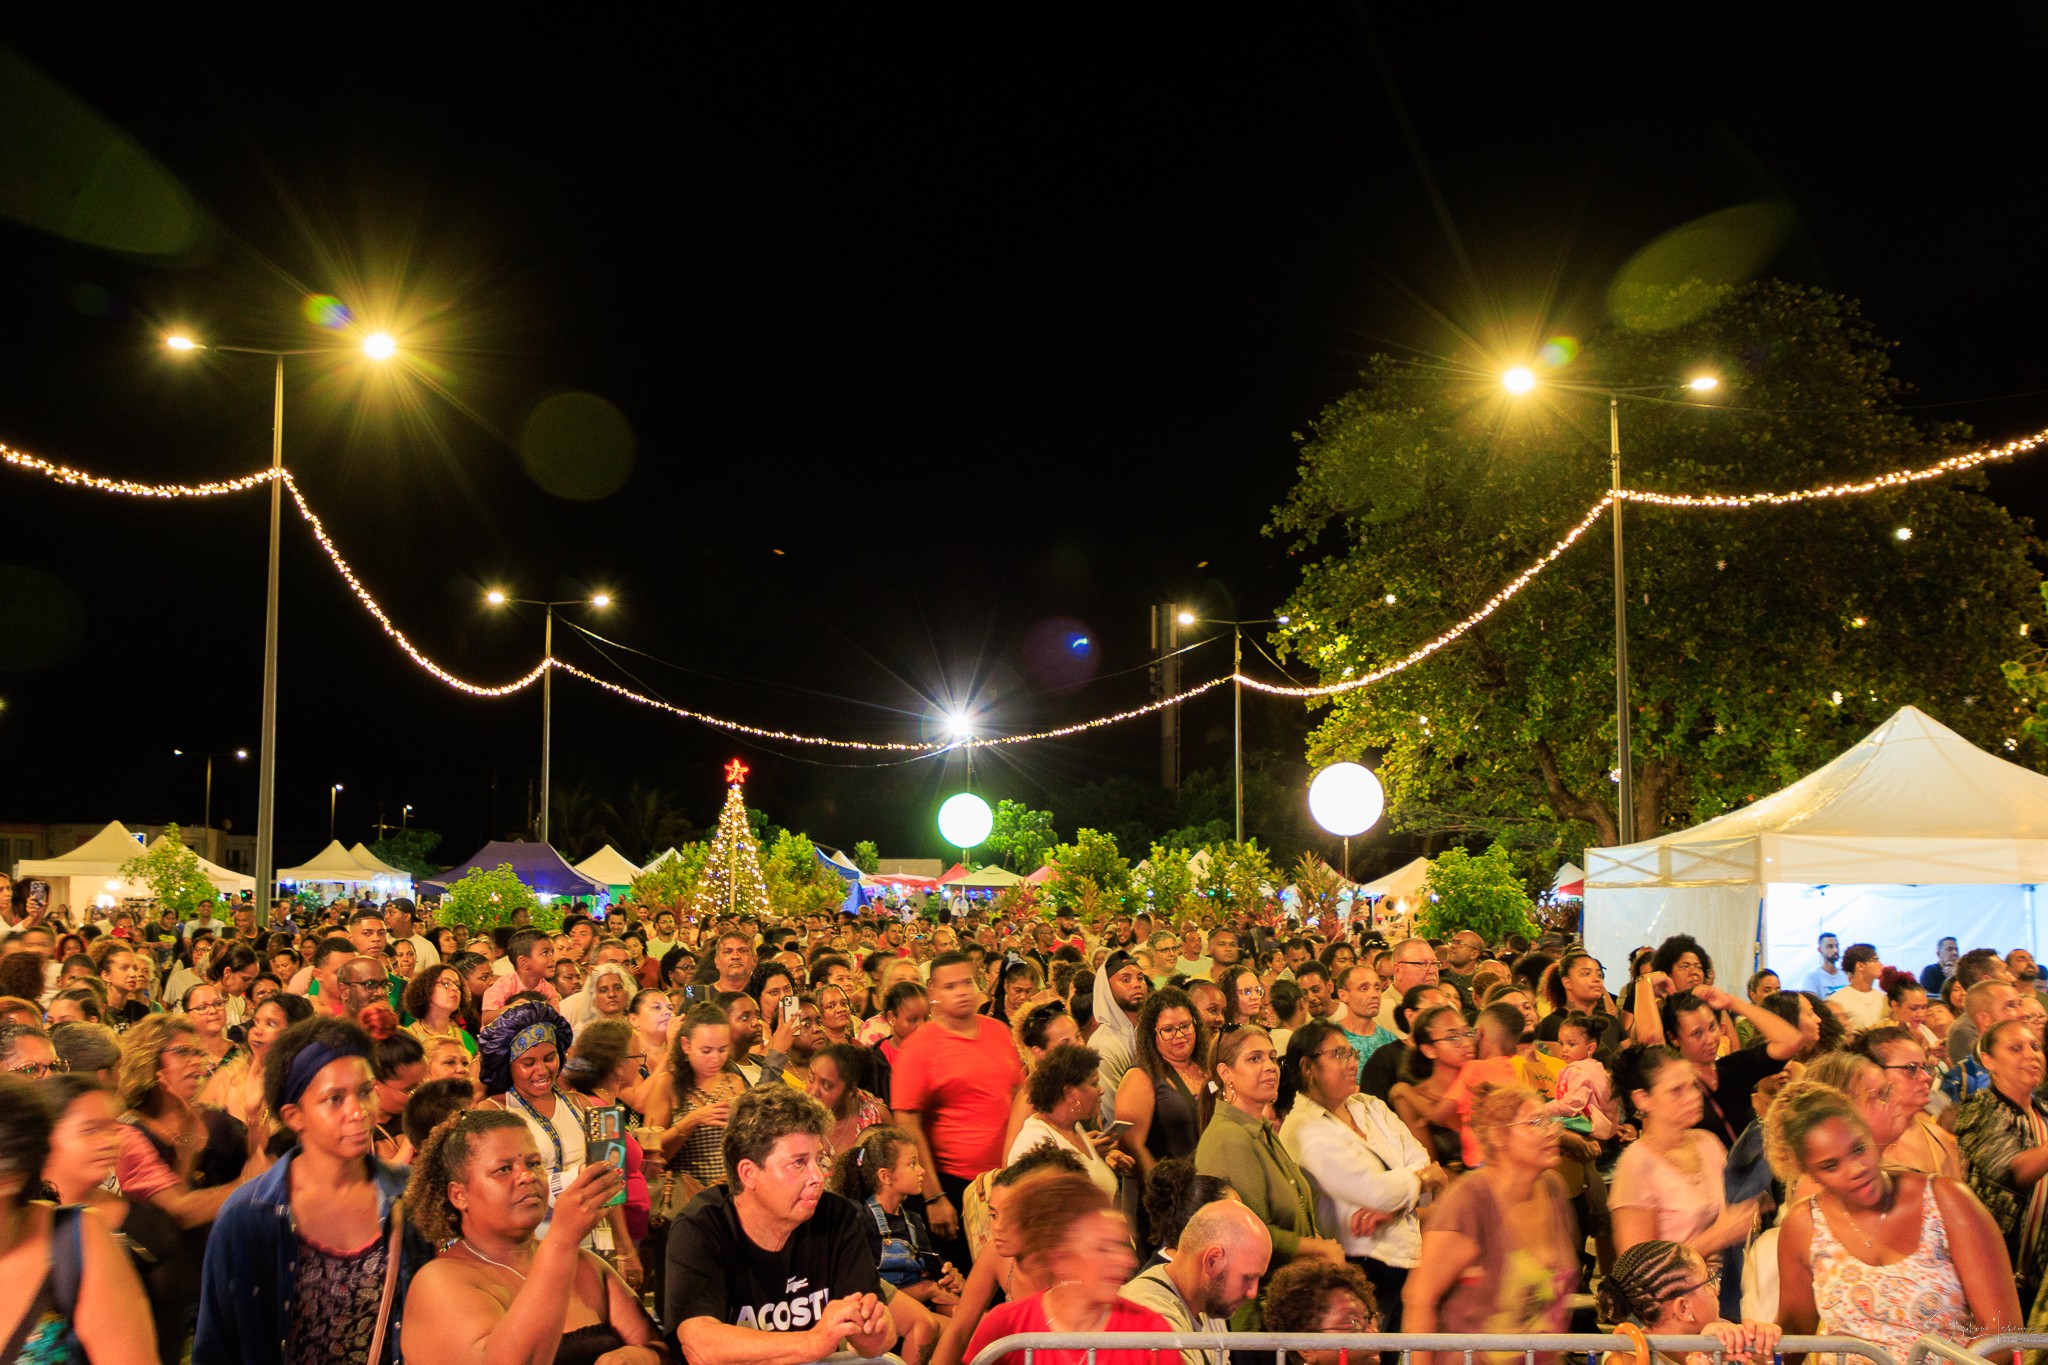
(1028, 1315)
(961, 1090)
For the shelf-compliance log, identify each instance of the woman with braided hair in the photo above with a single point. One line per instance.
(1666, 1289)
(500, 1288)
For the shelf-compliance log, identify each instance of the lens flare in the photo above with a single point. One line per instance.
(325, 310)
(1558, 352)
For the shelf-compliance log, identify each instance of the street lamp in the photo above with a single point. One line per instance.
(333, 799)
(206, 819)
(378, 346)
(404, 817)
(1188, 618)
(1522, 380)
(497, 598)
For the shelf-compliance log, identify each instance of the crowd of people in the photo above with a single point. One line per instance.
(352, 1135)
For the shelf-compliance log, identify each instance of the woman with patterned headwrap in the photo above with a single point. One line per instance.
(520, 1054)
(310, 1261)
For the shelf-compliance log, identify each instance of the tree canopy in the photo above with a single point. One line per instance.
(1761, 642)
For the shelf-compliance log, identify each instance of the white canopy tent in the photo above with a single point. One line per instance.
(93, 870)
(361, 853)
(609, 866)
(1912, 834)
(989, 878)
(332, 864)
(1403, 883)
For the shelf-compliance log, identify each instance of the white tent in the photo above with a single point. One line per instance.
(1403, 883)
(609, 866)
(667, 855)
(361, 853)
(331, 864)
(988, 878)
(1571, 876)
(1912, 834)
(93, 870)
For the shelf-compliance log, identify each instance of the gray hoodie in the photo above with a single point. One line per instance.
(1115, 1039)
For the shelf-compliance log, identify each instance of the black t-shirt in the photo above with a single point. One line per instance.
(716, 1271)
(1731, 1106)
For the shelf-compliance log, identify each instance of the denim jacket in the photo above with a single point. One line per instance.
(246, 1293)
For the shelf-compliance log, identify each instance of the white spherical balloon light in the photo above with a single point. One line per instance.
(965, 820)
(1346, 799)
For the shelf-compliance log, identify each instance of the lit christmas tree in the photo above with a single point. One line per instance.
(731, 883)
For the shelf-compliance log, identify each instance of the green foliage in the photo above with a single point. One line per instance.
(1020, 837)
(1090, 876)
(579, 820)
(408, 850)
(1319, 887)
(867, 857)
(798, 884)
(1017, 902)
(672, 885)
(488, 898)
(1234, 875)
(173, 875)
(1164, 881)
(1432, 487)
(1483, 894)
(647, 820)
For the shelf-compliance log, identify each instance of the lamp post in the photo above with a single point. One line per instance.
(206, 819)
(1521, 380)
(404, 817)
(1237, 695)
(497, 598)
(377, 346)
(333, 800)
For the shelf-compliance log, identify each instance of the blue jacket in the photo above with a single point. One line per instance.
(245, 1295)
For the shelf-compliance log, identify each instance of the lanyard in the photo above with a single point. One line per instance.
(545, 1125)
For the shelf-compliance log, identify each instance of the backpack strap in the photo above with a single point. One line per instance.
(67, 1258)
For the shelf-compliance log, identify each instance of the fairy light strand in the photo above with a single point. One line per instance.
(1940, 469)
(1954, 464)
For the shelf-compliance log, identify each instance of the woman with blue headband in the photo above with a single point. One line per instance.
(310, 1261)
(520, 1055)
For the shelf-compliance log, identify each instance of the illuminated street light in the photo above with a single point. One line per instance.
(378, 346)
(1521, 380)
(497, 598)
(206, 815)
(1186, 618)
(333, 797)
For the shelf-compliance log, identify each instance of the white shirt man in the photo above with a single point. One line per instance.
(1827, 978)
(1860, 1003)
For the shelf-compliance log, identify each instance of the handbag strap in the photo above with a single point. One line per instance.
(67, 1258)
(394, 1251)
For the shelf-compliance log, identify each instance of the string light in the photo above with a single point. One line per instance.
(1940, 469)
(80, 479)
(1417, 655)
(1899, 479)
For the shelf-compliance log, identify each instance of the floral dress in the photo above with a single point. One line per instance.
(1890, 1305)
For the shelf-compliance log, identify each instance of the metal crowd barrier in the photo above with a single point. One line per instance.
(1990, 1347)
(1468, 1346)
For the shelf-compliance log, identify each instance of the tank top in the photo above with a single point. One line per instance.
(1890, 1305)
(1176, 1119)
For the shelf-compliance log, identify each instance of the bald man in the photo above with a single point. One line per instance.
(1215, 1270)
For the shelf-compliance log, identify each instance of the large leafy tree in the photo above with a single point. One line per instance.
(1019, 836)
(1762, 642)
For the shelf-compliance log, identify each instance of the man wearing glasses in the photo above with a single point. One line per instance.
(1413, 964)
(361, 981)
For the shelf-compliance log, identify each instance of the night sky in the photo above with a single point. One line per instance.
(941, 340)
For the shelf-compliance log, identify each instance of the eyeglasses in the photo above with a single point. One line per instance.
(206, 1005)
(1713, 1282)
(1463, 1036)
(188, 1053)
(349, 985)
(1349, 1054)
(39, 1071)
(1252, 992)
(1180, 1030)
(1539, 1122)
(1927, 1069)
(1427, 964)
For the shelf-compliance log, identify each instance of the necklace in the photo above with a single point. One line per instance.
(487, 1260)
(1884, 1207)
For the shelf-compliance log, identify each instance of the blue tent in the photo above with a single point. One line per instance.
(535, 865)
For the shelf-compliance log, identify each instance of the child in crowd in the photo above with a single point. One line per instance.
(1584, 1088)
(879, 1173)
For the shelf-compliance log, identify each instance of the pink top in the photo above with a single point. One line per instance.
(1028, 1315)
(1685, 1205)
(1585, 1089)
(1891, 1305)
(509, 985)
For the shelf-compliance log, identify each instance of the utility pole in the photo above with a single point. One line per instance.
(1166, 683)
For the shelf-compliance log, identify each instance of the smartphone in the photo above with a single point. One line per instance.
(689, 995)
(790, 1006)
(604, 1139)
(1116, 1127)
